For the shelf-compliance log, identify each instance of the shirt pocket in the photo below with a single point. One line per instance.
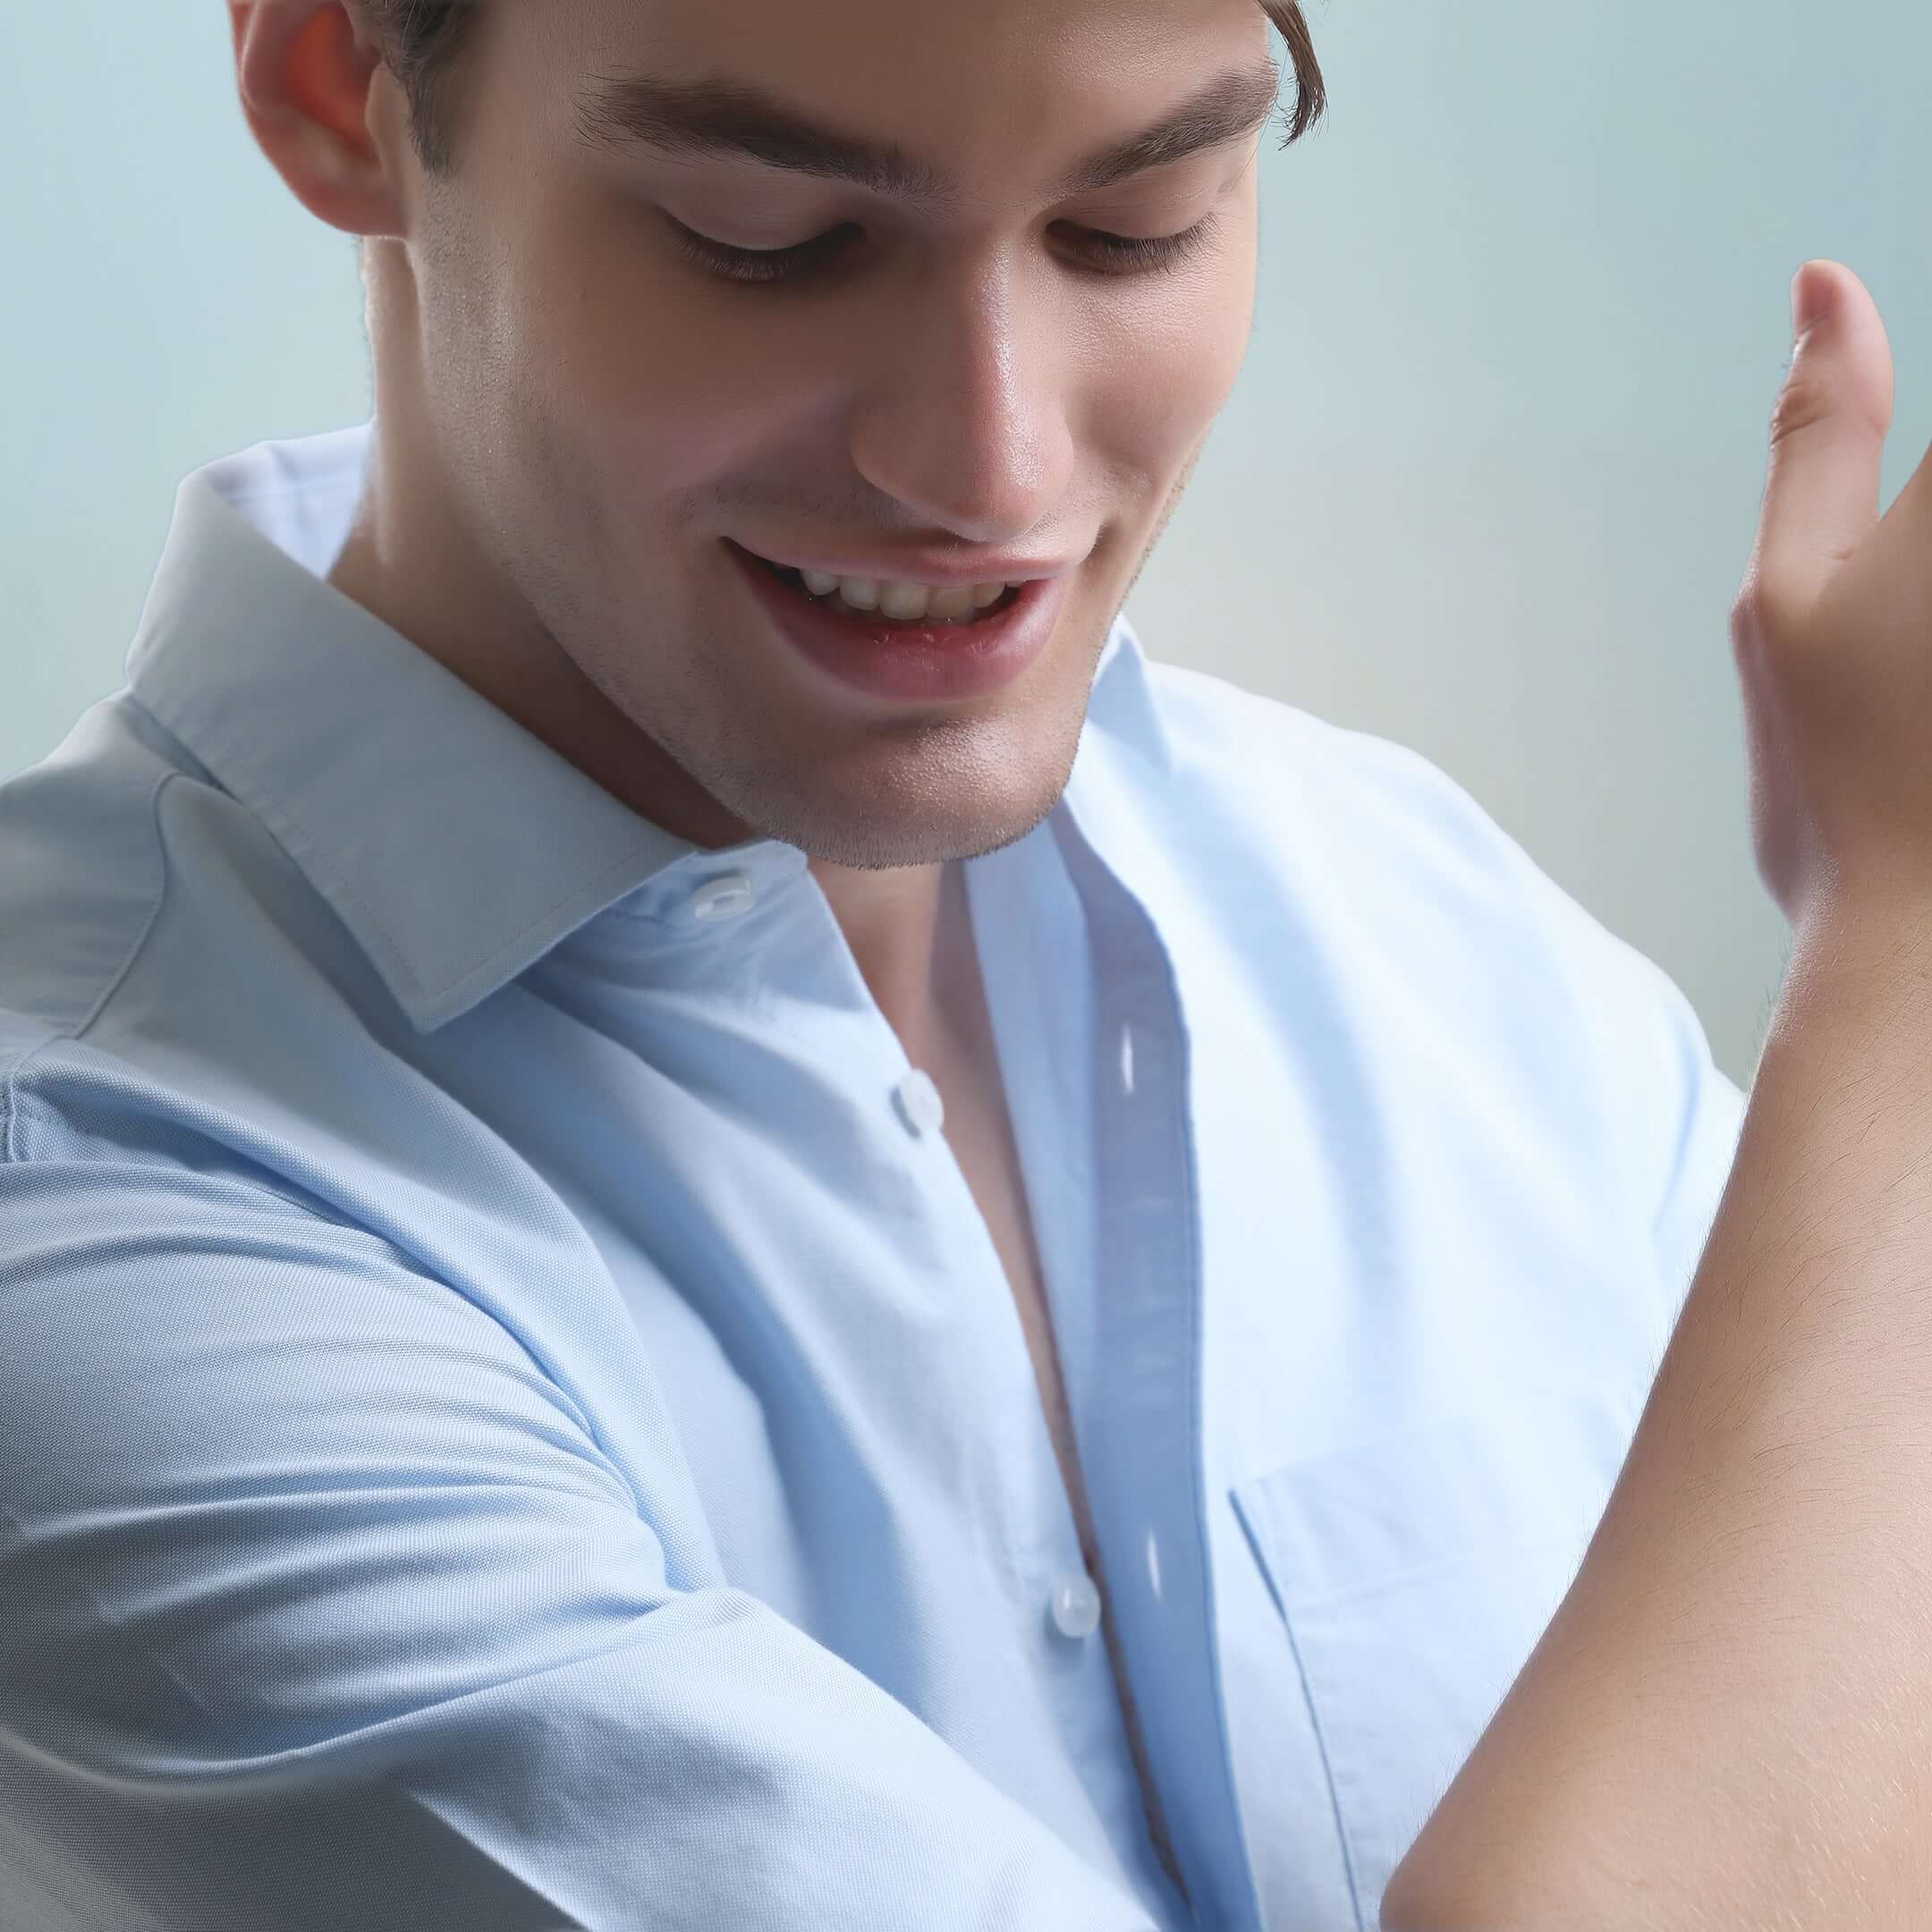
(1414, 1575)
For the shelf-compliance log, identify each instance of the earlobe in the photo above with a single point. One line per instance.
(306, 79)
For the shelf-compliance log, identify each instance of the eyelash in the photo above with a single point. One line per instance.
(1127, 254)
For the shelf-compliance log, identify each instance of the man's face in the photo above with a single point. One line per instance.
(973, 377)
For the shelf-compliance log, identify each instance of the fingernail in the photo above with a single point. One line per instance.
(1812, 294)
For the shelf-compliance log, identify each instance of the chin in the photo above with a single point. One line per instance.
(873, 847)
(932, 825)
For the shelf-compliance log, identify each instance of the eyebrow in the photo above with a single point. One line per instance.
(736, 120)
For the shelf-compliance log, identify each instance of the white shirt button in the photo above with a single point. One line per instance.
(724, 898)
(919, 1104)
(1075, 1605)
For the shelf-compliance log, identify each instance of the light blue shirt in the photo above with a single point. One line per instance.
(511, 1417)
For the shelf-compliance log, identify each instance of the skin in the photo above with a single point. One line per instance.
(571, 416)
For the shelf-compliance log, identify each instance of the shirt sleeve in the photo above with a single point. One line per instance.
(320, 1608)
(1703, 1117)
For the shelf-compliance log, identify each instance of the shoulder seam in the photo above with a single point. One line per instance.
(140, 944)
(10, 1099)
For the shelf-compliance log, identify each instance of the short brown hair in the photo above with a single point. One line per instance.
(422, 40)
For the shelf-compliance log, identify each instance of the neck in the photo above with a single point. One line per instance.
(911, 933)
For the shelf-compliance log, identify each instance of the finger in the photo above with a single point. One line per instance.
(1827, 438)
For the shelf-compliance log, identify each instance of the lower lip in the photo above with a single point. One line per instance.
(907, 664)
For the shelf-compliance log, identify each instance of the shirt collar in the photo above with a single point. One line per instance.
(456, 847)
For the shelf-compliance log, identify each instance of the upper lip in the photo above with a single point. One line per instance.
(915, 567)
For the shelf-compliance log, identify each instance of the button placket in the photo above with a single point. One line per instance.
(1145, 1485)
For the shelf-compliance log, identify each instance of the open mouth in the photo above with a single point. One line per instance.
(834, 602)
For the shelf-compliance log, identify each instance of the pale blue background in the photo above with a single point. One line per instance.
(1488, 486)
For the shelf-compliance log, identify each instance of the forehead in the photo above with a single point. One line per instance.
(1074, 38)
(955, 90)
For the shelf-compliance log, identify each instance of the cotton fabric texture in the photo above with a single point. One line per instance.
(510, 1414)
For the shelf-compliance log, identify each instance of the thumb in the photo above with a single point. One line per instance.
(1827, 436)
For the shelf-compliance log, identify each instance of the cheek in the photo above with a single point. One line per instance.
(671, 381)
(1163, 358)
(1162, 382)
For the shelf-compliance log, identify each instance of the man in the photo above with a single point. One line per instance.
(714, 1218)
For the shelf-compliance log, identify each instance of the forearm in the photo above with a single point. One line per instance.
(1729, 1721)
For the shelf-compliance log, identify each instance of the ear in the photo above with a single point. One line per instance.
(324, 108)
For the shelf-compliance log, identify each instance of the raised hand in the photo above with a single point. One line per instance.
(1726, 1723)
(1832, 631)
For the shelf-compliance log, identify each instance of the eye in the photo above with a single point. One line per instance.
(756, 264)
(1115, 254)
(1151, 254)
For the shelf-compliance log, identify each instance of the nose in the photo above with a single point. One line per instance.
(965, 412)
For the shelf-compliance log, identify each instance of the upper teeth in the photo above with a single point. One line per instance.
(905, 599)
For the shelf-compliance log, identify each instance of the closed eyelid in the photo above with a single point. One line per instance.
(806, 261)
(1152, 216)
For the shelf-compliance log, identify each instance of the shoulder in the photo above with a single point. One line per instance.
(1352, 787)
(83, 874)
(1386, 893)
(1384, 838)
(156, 945)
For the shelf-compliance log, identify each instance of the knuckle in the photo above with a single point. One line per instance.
(1749, 621)
(1762, 609)
(1802, 406)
